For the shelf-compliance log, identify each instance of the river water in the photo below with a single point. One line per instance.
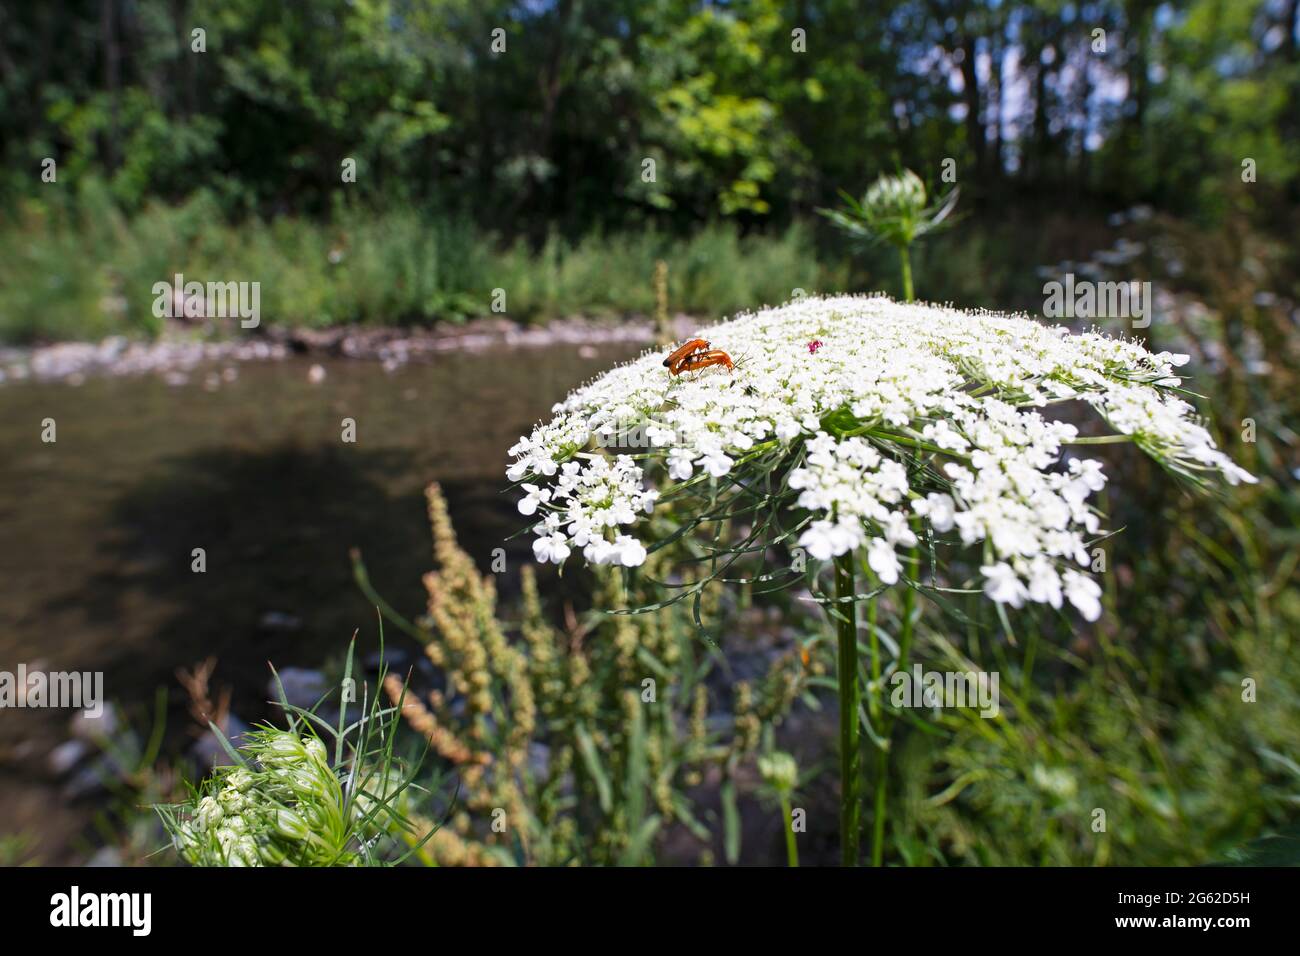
(98, 528)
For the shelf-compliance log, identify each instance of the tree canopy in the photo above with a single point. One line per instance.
(532, 115)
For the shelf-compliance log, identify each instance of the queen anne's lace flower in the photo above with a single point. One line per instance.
(589, 501)
(886, 380)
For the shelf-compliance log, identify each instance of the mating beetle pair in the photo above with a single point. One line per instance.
(695, 355)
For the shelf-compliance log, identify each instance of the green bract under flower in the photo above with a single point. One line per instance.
(843, 394)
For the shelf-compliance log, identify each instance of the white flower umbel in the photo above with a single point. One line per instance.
(589, 501)
(960, 401)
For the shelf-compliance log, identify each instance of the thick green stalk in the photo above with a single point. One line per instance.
(906, 257)
(850, 767)
(1099, 440)
(791, 849)
(885, 723)
(878, 821)
(885, 728)
(909, 608)
(882, 726)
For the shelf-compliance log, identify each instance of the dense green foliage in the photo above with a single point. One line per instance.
(744, 115)
(528, 169)
(366, 267)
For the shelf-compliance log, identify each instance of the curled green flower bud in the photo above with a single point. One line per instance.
(185, 837)
(244, 853)
(316, 749)
(893, 210)
(272, 853)
(896, 196)
(311, 815)
(209, 813)
(290, 824)
(312, 779)
(288, 807)
(283, 749)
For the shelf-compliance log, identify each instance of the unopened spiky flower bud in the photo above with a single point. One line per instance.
(283, 750)
(315, 748)
(896, 196)
(272, 853)
(209, 813)
(290, 824)
(243, 852)
(779, 771)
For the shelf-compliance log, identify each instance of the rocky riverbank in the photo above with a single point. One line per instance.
(180, 354)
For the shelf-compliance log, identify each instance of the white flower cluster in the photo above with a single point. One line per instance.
(590, 501)
(852, 483)
(859, 380)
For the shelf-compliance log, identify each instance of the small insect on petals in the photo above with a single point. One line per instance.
(693, 363)
(814, 345)
(684, 351)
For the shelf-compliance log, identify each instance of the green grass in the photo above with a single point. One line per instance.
(76, 267)
(88, 272)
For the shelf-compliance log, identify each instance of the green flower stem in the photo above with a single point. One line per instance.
(850, 766)
(1031, 649)
(1100, 440)
(906, 631)
(878, 820)
(791, 849)
(874, 432)
(881, 723)
(873, 702)
(906, 258)
(909, 610)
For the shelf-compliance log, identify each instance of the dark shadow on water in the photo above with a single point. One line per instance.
(276, 527)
